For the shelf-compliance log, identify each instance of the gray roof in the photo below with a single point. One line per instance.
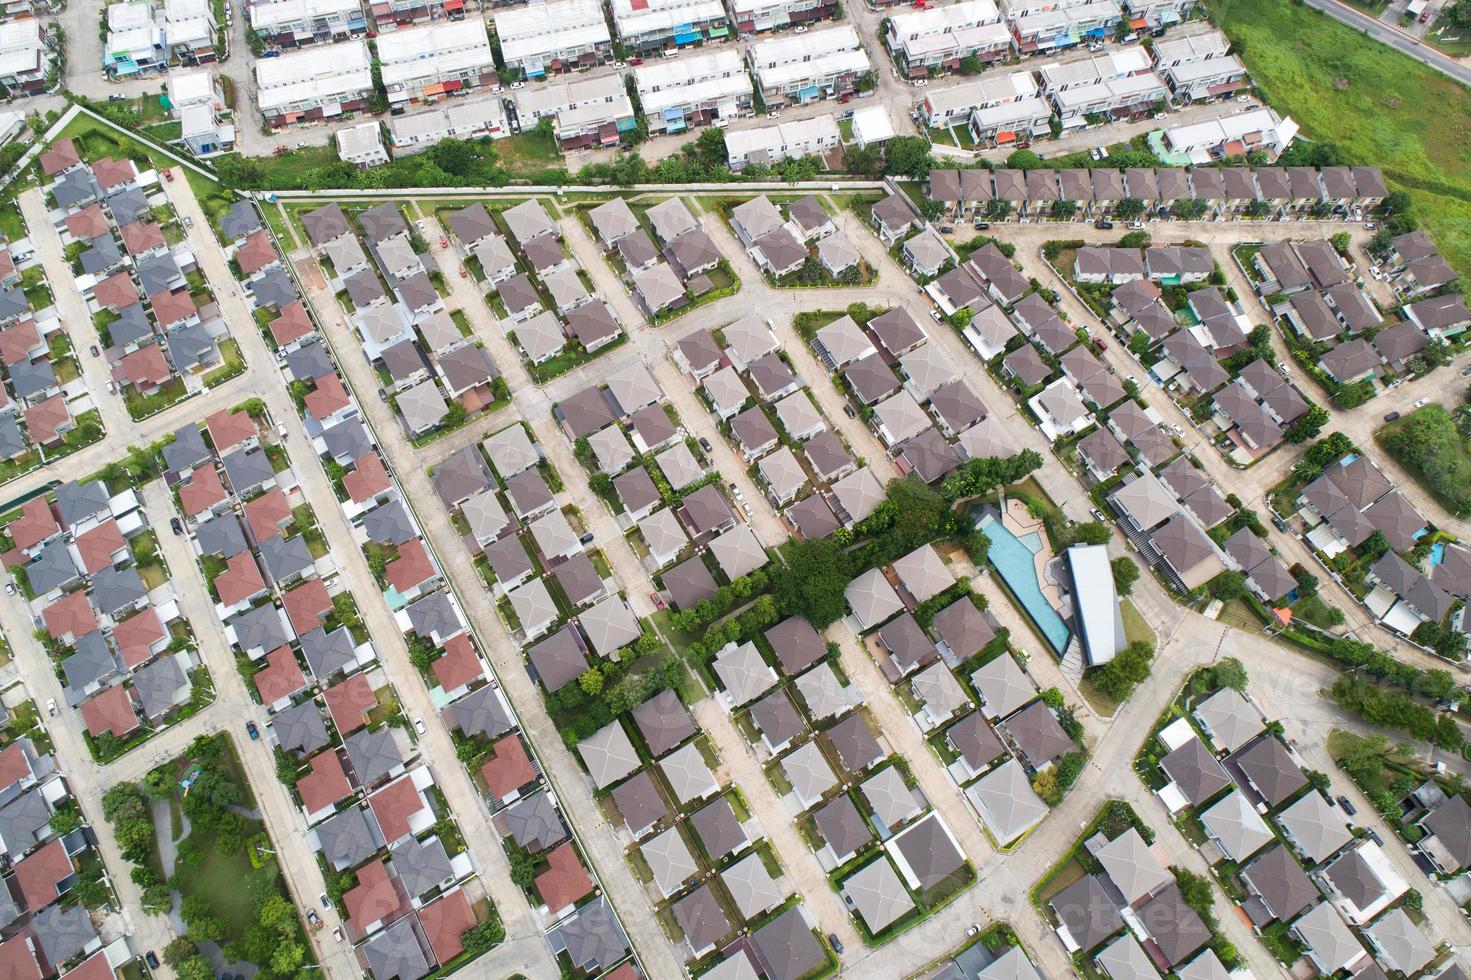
(158, 685)
(1005, 801)
(157, 271)
(91, 663)
(1236, 827)
(389, 523)
(396, 953)
(471, 224)
(347, 440)
(1271, 770)
(462, 475)
(1283, 887)
(975, 741)
(187, 449)
(717, 828)
(1229, 719)
(559, 659)
(842, 826)
(22, 820)
(929, 851)
(1402, 946)
(103, 255)
(63, 932)
(608, 754)
(240, 220)
(247, 469)
(52, 567)
(787, 946)
(796, 644)
(274, 287)
(434, 614)
(363, 288)
(374, 753)
(349, 838)
(12, 440)
(309, 362)
(285, 557)
(701, 918)
(115, 588)
(481, 713)
(300, 728)
(776, 718)
(508, 558)
(29, 378)
(534, 823)
(421, 865)
(1195, 771)
(382, 221)
(327, 653)
(855, 744)
(127, 205)
(1125, 958)
(76, 187)
(1333, 946)
(689, 582)
(592, 937)
(639, 802)
(585, 412)
(877, 895)
(324, 224)
(663, 721)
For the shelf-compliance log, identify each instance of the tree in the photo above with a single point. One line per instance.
(908, 156)
(1129, 208)
(591, 681)
(972, 64)
(863, 161)
(1230, 673)
(813, 582)
(1197, 892)
(1118, 678)
(1228, 585)
(1062, 210)
(1135, 239)
(196, 967)
(1125, 574)
(1308, 426)
(1092, 532)
(1191, 210)
(287, 957)
(1340, 242)
(1023, 160)
(178, 950)
(523, 869)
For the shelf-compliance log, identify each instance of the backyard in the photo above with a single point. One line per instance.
(1380, 107)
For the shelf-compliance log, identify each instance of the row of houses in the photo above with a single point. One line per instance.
(45, 928)
(29, 54)
(665, 277)
(1227, 191)
(287, 24)
(144, 39)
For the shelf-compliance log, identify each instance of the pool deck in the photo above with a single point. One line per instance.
(1020, 522)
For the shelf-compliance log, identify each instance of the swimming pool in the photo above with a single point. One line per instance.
(1014, 559)
(1437, 553)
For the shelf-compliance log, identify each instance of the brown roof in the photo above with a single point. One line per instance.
(266, 513)
(228, 429)
(293, 323)
(443, 922)
(40, 872)
(139, 237)
(348, 701)
(88, 223)
(459, 665)
(14, 766)
(394, 805)
(115, 292)
(111, 711)
(61, 155)
(326, 784)
(281, 677)
(71, 614)
(374, 898)
(255, 253)
(306, 605)
(135, 636)
(171, 306)
(566, 881)
(17, 342)
(509, 768)
(35, 524)
(110, 172)
(144, 367)
(368, 479)
(44, 421)
(329, 397)
(240, 580)
(203, 491)
(411, 568)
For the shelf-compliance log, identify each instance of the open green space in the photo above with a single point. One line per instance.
(1376, 105)
(1429, 443)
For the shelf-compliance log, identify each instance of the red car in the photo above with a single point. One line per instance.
(658, 602)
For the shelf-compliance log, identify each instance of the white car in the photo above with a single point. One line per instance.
(51, 707)
(1179, 429)
(1422, 403)
(419, 725)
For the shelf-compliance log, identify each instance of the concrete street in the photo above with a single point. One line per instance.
(1391, 35)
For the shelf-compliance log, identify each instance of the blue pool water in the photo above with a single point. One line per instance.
(1013, 558)
(1437, 554)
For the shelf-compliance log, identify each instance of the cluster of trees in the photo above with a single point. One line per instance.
(1129, 668)
(726, 598)
(762, 613)
(449, 163)
(1428, 441)
(1395, 709)
(1125, 574)
(1052, 784)
(606, 691)
(1316, 457)
(1358, 656)
(274, 941)
(1448, 643)
(978, 477)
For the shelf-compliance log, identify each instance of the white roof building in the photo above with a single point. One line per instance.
(1077, 102)
(1096, 604)
(302, 80)
(650, 21)
(1254, 129)
(414, 132)
(765, 145)
(362, 144)
(671, 90)
(425, 61)
(943, 35)
(300, 16)
(800, 64)
(22, 51)
(534, 36)
(948, 105)
(579, 106)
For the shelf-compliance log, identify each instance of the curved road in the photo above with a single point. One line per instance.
(1395, 38)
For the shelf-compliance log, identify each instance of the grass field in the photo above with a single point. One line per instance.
(1380, 107)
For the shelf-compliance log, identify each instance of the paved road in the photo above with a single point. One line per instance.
(1395, 38)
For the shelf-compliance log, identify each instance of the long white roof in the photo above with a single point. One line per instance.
(304, 75)
(982, 37)
(272, 12)
(1113, 88)
(662, 15)
(1096, 604)
(1232, 126)
(988, 89)
(802, 47)
(943, 20)
(774, 139)
(834, 63)
(541, 27)
(558, 95)
(1081, 70)
(439, 48)
(686, 81)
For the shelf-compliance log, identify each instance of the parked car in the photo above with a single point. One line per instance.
(313, 919)
(151, 958)
(337, 934)
(175, 526)
(1373, 836)
(419, 725)
(947, 229)
(586, 538)
(10, 588)
(188, 222)
(1136, 224)
(1391, 416)
(382, 395)
(1281, 524)
(657, 600)
(1103, 224)
(705, 444)
(1421, 403)
(323, 899)
(848, 411)
(1348, 806)
(51, 707)
(94, 351)
(982, 225)
(835, 943)
(252, 731)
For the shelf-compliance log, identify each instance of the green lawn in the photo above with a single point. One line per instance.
(529, 151)
(1380, 107)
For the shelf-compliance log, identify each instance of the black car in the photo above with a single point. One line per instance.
(848, 411)
(1281, 524)
(835, 942)
(1391, 416)
(1347, 805)
(175, 525)
(94, 351)
(151, 958)
(983, 226)
(1103, 225)
(705, 444)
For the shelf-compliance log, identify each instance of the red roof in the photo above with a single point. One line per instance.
(170, 307)
(139, 237)
(255, 253)
(39, 873)
(368, 479)
(459, 665)
(61, 155)
(306, 605)
(228, 429)
(14, 766)
(293, 324)
(146, 367)
(18, 341)
(329, 397)
(116, 291)
(111, 711)
(93, 968)
(44, 421)
(412, 567)
(98, 546)
(241, 580)
(325, 784)
(348, 701)
(110, 173)
(624, 971)
(88, 223)
(395, 805)
(202, 492)
(72, 614)
(16, 960)
(266, 513)
(136, 635)
(374, 898)
(280, 678)
(444, 921)
(35, 524)
(509, 769)
(566, 881)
